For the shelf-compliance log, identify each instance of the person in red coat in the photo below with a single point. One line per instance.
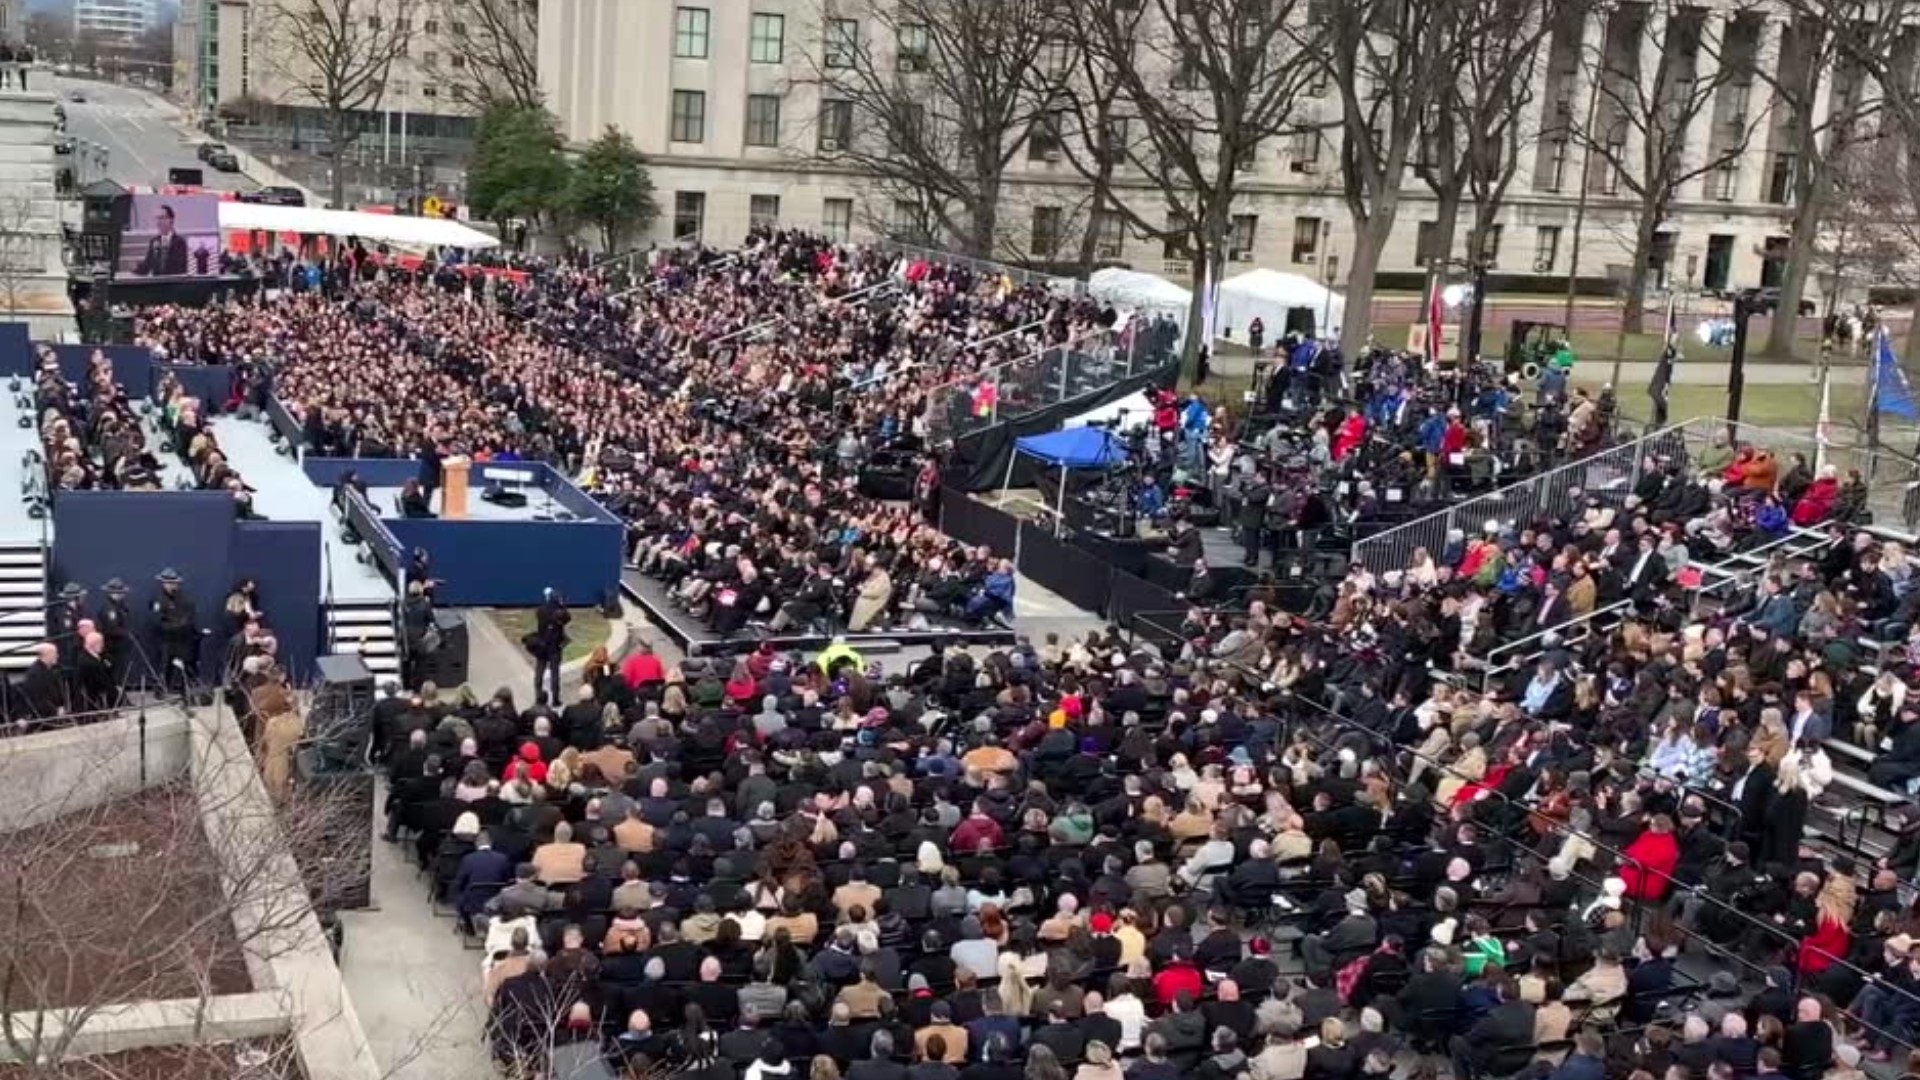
(1179, 974)
(1650, 860)
(1352, 432)
(977, 832)
(1816, 504)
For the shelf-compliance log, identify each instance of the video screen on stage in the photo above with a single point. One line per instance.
(171, 236)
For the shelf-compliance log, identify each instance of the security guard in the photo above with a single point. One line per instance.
(115, 624)
(63, 621)
(179, 631)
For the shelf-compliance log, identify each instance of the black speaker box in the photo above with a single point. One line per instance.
(448, 665)
(341, 718)
(335, 851)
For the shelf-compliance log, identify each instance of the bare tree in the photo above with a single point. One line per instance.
(336, 55)
(1473, 133)
(160, 896)
(1175, 99)
(494, 54)
(21, 260)
(1391, 62)
(931, 100)
(1823, 107)
(1658, 72)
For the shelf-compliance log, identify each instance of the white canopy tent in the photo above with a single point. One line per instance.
(1140, 291)
(1269, 294)
(1134, 410)
(418, 232)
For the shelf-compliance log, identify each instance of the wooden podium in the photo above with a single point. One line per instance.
(453, 487)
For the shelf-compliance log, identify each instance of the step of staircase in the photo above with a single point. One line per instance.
(23, 603)
(365, 629)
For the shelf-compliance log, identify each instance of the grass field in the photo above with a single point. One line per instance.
(587, 632)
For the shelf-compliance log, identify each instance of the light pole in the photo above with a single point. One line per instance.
(1330, 269)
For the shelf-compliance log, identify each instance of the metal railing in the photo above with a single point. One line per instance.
(1063, 285)
(1048, 376)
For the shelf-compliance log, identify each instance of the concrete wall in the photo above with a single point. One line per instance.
(62, 772)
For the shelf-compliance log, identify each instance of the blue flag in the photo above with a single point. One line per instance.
(1890, 389)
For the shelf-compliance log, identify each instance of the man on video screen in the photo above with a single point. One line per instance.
(167, 251)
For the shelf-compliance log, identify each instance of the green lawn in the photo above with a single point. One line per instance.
(587, 632)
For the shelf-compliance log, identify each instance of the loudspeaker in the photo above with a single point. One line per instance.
(500, 496)
(334, 849)
(1300, 320)
(341, 717)
(447, 666)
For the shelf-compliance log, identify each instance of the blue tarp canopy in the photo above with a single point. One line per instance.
(1075, 448)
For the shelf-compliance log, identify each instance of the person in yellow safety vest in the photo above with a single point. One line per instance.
(836, 652)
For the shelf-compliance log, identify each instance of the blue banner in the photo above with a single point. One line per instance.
(1891, 391)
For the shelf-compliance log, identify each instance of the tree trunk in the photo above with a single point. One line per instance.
(1633, 315)
(1913, 342)
(983, 216)
(1446, 223)
(1089, 236)
(336, 138)
(1369, 240)
(1793, 277)
(1196, 320)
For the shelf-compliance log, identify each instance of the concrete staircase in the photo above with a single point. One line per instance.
(33, 278)
(366, 628)
(23, 603)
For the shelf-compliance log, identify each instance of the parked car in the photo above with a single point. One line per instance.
(76, 96)
(223, 160)
(206, 150)
(275, 196)
(63, 146)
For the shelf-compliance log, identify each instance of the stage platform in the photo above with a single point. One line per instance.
(695, 639)
(282, 492)
(538, 507)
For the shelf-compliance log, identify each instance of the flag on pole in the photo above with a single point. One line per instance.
(1823, 428)
(1663, 370)
(1891, 392)
(1433, 321)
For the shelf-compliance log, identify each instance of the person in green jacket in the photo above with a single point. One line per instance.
(1481, 947)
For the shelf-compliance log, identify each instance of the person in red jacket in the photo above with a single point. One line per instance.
(642, 668)
(1179, 975)
(530, 757)
(977, 832)
(1816, 503)
(1352, 432)
(1650, 860)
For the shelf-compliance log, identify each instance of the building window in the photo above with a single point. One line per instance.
(836, 125)
(1240, 238)
(1546, 248)
(1724, 182)
(430, 61)
(458, 61)
(373, 22)
(907, 132)
(689, 214)
(1173, 239)
(1186, 71)
(1780, 181)
(1043, 138)
(431, 26)
(1306, 239)
(1610, 165)
(1305, 152)
(1046, 232)
(763, 211)
(843, 42)
(1490, 245)
(1719, 266)
(907, 222)
(689, 116)
(690, 25)
(1109, 235)
(457, 29)
(915, 46)
(1113, 149)
(768, 41)
(1423, 243)
(1556, 171)
(1059, 52)
(837, 222)
(763, 120)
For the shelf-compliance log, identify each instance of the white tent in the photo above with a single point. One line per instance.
(392, 228)
(1141, 291)
(1269, 295)
(1134, 410)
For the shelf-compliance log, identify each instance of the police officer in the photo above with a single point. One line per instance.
(63, 621)
(115, 624)
(179, 631)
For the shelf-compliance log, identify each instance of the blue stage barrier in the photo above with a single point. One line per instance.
(512, 563)
(388, 555)
(283, 422)
(211, 383)
(376, 472)
(16, 349)
(133, 536)
(132, 364)
(283, 558)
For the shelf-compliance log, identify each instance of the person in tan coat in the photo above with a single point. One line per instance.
(871, 601)
(281, 729)
(633, 836)
(563, 861)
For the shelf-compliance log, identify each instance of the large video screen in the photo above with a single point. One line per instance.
(171, 236)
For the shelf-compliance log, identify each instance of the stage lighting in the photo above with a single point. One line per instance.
(1456, 294)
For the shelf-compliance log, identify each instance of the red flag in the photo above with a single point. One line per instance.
(1433, 321)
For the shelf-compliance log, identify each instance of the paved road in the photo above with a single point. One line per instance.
(139, 133)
